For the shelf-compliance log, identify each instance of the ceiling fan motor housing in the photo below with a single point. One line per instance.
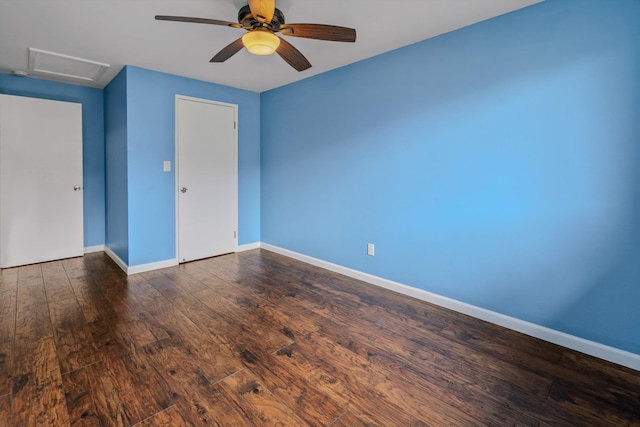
(249, 22)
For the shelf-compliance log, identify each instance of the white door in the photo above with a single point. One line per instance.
(206, 178)
(40, 180)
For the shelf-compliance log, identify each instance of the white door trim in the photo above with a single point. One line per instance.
(177, 164)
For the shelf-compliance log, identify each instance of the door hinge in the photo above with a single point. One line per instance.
(234, 124)
(234, 234)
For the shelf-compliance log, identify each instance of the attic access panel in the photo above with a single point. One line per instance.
(56, 64)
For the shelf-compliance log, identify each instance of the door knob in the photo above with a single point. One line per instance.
(183, 190)
(77, 188)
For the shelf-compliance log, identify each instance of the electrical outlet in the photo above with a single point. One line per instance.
(166, 166)
(370, 249)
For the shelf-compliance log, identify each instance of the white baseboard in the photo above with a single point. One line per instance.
(621, 357)
(92, 249)
(139, 268)
(152, 266)
(123, 265)
(248, 247)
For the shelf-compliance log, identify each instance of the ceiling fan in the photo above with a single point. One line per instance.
(261, 19)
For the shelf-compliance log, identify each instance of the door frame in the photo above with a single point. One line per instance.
(176, 162)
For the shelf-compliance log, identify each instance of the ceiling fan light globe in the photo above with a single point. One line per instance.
(261, 42)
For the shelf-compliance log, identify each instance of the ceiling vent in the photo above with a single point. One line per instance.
(58, 65)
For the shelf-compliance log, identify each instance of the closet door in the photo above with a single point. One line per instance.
(207, 171)
(41, 211)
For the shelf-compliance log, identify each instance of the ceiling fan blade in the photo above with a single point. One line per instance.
(292, 56)
(320, 32)
(197, 20)
(262, 10)
(228, 51)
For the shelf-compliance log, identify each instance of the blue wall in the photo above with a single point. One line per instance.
(497, 165)
(150, 139)
(117, 205)
(92, 141)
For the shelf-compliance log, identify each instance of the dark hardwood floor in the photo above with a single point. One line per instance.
(259, 339)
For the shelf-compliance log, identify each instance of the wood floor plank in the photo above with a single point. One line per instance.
(127, 324)
(219, 315)
(376, 303)
(348, 304)
(184, 375)
(137, 385)
(262, 297)
(348, 379)
(8, 293)
(184, 324)
(5, 410)
(170, 417)
(107, 335)
(92, 398)
(439, 385)
(313, 406)
(347, 419)
(431, 356)
(56, 282)
(385, 385)
(594, 373)
(204, 359)
(89, 285)
(596, 407)
(73, 339)
(32, 310)
(37, 393)
(254, 401)
(113, 335)
(30, 274)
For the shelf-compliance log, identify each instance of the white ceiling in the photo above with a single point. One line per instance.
(124, 32)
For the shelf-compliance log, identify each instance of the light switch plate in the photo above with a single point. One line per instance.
(370, 249)
(166, 166)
